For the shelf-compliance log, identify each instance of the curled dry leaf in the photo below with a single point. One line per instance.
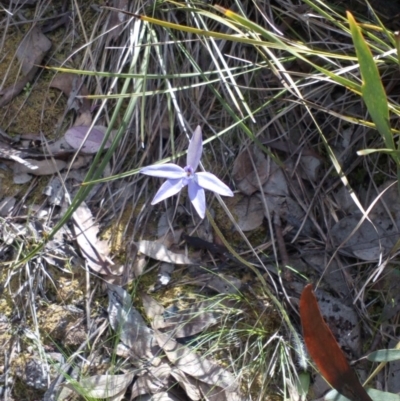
(194, 365)
(250, 170)
(94, 250)
(155, 380)
(103, 386)
(87, 141)
(189, 384)
(160, 252)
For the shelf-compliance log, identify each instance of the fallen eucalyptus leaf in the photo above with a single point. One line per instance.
(32, 49)
(154, 381)
(42, 167)
(94, 250)
(250, 170)
(88, 142)
(160, 252)
(72, 86)
(194, 365)
(249, 213)
(102, 386)
(129, 325)
(189, 384)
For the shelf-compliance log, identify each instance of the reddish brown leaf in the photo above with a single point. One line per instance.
(325, 351)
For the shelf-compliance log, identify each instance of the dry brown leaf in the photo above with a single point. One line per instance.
(310, 167)
(160, 252)
(151, 306)
(221, 283)
(369, 241)
(189, 384)
(184, 323)
(197, 318)
(250, 170)
(155, 380)
(249, 213)
(164, 396)
(72, 86)
(194, 365)
(8, 152)
(59, 147)
(32, 49)
(103, 386)
(43, 167)
(85, 118)
(275, 184)
(214, 393)
(117, 19)
(94, 250)
(86, 140)
(7, 205)
(342, 320)
(130, 326)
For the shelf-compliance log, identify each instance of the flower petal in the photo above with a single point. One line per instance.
(169, 188)
(168, 170)
(211, 182)
(195, 149)
(198, 198)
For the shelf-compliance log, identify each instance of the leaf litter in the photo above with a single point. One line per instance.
(275, 194)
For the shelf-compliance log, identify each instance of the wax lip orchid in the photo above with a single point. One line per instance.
(178, 177)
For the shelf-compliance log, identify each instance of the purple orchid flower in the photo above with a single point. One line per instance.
(178, 177)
